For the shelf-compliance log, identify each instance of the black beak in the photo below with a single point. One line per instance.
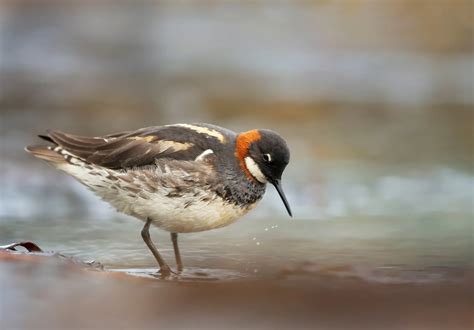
(277, 184)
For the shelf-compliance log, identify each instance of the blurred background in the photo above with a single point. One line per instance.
(375, 99)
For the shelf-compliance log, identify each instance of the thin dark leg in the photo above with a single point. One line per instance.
(179, 263)
(164, 268)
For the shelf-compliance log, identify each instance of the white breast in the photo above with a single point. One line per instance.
(173, 215)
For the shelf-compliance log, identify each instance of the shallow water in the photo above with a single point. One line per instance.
(376, 249)
(46, 292)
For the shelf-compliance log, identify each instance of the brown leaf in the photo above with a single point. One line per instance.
(29, 246)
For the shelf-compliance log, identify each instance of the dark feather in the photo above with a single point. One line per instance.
(135, 148)
(45, 137)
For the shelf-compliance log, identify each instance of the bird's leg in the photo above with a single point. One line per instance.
(179, 263)
(164, 268)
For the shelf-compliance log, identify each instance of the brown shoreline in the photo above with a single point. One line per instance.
(43, 292)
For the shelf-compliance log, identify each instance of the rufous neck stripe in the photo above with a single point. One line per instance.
(242, 145)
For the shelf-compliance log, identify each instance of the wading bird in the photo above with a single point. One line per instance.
(181, 178)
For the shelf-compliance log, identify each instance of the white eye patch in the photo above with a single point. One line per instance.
(255, 170)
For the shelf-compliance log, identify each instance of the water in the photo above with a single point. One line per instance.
(379, 249)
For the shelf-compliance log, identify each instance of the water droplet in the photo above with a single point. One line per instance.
(253, 239)
(266, 229)
(258, 243)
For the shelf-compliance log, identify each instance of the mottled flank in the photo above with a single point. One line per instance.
(179, 196)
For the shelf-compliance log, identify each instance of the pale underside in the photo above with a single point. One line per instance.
(178, 196)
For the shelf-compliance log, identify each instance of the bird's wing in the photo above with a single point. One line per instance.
(144, 146)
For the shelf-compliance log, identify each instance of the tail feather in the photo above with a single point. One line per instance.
(46, 137)
(45, 153)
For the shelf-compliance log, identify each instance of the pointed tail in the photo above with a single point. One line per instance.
(46, 153)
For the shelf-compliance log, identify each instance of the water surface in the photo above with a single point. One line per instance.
(380, 249)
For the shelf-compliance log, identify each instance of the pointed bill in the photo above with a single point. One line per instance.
(277, 184)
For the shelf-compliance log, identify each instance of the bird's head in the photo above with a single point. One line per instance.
(264, 155)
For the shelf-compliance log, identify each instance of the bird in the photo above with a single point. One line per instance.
(181, 178)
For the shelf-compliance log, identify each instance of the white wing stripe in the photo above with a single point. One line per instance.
(203, 130)
(204, 154)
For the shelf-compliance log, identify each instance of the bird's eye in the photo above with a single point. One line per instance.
(267, 158)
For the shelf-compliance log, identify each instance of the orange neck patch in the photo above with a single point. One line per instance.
(242, 146)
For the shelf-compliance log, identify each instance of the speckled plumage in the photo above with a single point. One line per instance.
(182, 178)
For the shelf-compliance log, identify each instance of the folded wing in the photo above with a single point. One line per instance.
(129, 149)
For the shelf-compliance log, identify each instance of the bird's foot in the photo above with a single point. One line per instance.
(166, 273)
